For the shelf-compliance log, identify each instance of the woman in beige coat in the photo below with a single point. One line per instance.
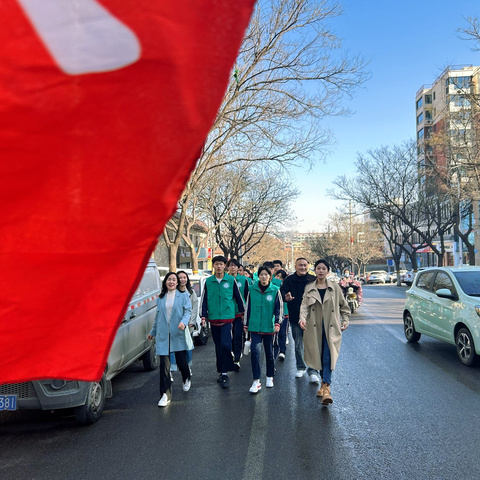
(324, 316)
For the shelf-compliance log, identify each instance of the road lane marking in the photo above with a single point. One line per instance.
(257, 443)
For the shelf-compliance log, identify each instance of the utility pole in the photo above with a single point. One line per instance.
(352, 268)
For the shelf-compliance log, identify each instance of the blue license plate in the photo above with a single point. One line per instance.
(8, 402)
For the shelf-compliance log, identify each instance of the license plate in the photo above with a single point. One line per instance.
(8, 402)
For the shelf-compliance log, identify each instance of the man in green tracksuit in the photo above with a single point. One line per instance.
(237, 326)
(220, 295)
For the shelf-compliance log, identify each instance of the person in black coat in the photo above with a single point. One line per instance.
(292, 292)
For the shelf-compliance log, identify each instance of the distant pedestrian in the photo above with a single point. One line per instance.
(248, 275)
(280, 341)
(173, 314)
(220, 295)
(323, 316)
(237, 326)
(262, 319)
(292, 292)
(277, 265)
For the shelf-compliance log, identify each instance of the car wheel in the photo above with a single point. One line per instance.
(93, 408)
(150, 358)
(465, 347)
(408, 284)
(202, 337)
(411, 334)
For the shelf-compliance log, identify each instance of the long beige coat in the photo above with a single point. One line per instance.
(334, 312)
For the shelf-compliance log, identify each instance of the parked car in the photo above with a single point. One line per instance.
(377, 276)
(88, 398)
(410, 276)
(394, 275)
(444, 303)
(402, 276)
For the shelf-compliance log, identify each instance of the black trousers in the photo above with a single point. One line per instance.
(237, 343)
(222, 337)
(165, 379)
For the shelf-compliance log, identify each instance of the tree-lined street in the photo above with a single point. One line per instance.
(400, 411)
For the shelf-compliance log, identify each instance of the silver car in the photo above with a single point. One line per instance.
(88, 398)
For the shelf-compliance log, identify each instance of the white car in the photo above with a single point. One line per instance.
(409, 277)
(378, 276)
(444, 303)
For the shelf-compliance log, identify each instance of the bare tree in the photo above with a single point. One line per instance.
(260, 208)
(387, 186)
(290, 75)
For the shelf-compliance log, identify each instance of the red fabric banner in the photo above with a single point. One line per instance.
(104, 107)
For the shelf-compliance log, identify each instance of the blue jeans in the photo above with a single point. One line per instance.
(280, 343)
(326, 372)
(297, 334)
(256, 351)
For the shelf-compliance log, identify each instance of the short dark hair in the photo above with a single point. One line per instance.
(270, 265)
(301, 258)
(233, 261)
(264, 267)
(219, 258)
(324, 262)
(282, 273)
(279, 262)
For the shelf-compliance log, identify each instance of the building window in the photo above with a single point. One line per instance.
(419, 102)
(428, 99)
(459, 82)
(420, 134)
(458, 100)
(434, 95)
(428, 132)
(420, 119)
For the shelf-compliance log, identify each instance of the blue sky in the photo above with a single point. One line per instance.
(408, 44)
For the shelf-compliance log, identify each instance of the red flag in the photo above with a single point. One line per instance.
(104, 106)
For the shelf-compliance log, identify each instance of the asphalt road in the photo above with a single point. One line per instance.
(400, 411)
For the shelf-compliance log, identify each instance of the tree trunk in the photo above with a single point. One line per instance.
(172, 257)
(194, 255)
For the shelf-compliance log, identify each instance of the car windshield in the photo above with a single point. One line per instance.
(470, 282)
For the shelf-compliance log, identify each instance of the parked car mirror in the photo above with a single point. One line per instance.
(446, 293)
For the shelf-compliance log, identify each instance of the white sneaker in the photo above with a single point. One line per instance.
(164, 401)
(187, 385)
(281, 356)
(269, 383)
(256, 386)
(300, 373)
(314, 378)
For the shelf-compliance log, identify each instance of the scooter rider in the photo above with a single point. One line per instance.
(348, 281)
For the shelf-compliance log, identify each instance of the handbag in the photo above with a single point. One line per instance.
(188, 339)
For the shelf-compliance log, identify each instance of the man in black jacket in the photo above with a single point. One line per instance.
(292, 292)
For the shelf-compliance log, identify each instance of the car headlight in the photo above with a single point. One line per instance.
(477, 309)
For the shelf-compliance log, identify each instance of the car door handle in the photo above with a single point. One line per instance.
(133, 315)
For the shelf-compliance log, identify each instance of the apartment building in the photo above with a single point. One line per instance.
(443, 111)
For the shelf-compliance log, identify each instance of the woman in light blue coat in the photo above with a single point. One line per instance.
(173, 314)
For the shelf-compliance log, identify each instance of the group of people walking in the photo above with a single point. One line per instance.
(260, 311)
